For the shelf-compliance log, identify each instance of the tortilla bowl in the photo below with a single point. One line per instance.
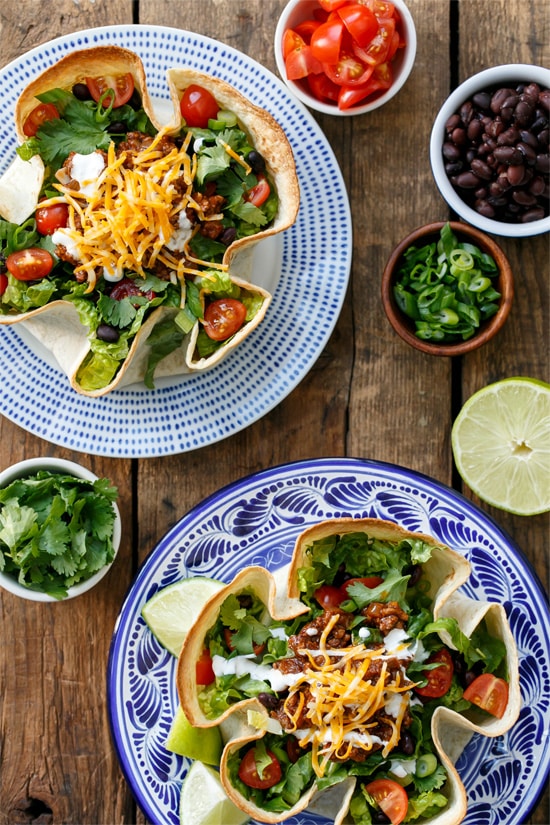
(55, 326)
(445, 571)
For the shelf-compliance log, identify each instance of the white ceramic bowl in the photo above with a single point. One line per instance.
(55, 465)
(296, 11)
(497, 76)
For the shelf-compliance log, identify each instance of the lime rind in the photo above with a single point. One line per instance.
(171, 612)
(501, 445)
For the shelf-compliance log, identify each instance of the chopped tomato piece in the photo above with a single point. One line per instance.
(306, 29)
(348, 71)
(369, 581)
(326, 41)
(332, 5)
(489, 693)
(377, 50)
(360, 23)
(301, 62)
(3, 282)
(439, 678)
(39, 115)
(259, 193)
(323, 88)
(292, 40)
(390, 797)
(204, 671)
(120, 86)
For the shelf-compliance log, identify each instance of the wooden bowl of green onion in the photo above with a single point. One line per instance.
(447, 288)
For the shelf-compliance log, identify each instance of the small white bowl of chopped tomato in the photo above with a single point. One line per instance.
(60, 529)
(341, 57)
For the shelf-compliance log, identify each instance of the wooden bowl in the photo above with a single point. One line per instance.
(405, 326)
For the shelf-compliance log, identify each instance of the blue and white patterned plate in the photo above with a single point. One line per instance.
(256, 520)
(309, 266)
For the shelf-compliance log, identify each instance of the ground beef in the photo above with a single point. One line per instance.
(386, 617)
(136, 142)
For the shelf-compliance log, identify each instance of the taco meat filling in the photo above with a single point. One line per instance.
(349, 700)
(134, 208)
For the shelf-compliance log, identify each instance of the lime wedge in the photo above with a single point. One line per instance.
(501, 445)
(204, 744)
(203, 800)
(171, 612)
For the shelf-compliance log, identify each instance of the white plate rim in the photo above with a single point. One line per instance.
(136, 423)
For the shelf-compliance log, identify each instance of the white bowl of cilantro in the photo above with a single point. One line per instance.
(60, 529)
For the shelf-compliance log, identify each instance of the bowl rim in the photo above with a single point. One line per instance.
(490, 327)
(501, 73)
(30, 466)
(407, 64)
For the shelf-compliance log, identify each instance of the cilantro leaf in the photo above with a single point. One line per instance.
(77, 131)
(55, 530)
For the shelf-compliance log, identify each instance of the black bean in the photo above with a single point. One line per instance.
(81, 91)
(516, 175)
(256, 161)
(107, 333)
(268, 700)
(481, 169)
(508, 154)
(524, 198)
(228, 235)
(450, 151)
(467, 180)
(117, 127)
(533, 215)
(543, 164)
(406, 743)
(482, 100)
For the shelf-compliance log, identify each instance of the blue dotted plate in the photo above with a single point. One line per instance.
(256, 520)
(307, 267)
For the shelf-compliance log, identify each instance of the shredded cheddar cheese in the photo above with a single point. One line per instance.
(343, 704)
(126, 220)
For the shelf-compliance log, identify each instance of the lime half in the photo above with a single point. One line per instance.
(204, 744)
(203, 800)
(501, 445)
(171, 612)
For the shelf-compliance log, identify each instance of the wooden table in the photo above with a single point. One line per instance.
(369, 395)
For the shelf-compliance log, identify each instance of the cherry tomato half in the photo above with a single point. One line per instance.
(203, 669)
(332, 5)
(360, 23)
(50, 218)
(223, 318)
(39, 115)
(301, 62)
(259, 193)
(198, 106)
(292, 40)
(329, 596)
(3, 282)
(439, 678)
(489, 693)
(348, 71)
(248, 771)
(326, 40)
(122, 86)
(29, 264)
(323, 88)
(127, 288)
(390, 797)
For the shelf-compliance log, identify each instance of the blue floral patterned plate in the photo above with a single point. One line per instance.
(306, 268)
(256, 521)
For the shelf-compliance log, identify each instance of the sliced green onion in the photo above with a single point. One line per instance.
(446, 288)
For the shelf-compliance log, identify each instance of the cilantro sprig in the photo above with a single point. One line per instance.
(56, 530)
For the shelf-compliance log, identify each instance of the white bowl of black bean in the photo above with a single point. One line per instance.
(489, 150)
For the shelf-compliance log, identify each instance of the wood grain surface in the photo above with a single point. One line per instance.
(369, 395)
